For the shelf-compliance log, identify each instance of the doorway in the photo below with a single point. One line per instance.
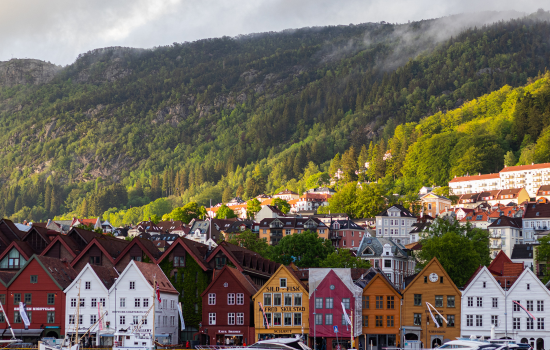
(540, 344)
(437, 341)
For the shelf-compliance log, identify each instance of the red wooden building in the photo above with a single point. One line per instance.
(39, 284)
(326, 301)
(227, 309)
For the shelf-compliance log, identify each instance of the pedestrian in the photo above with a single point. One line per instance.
(187, 345)
(244, 343)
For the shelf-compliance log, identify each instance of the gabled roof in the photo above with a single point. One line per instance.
(482, 270)
(111, 247)
(403, 212)
(197, 250)
(372, 275)
(525, 167)
(245, 281)
(151, 272)
(40, 231)
(291, 274)
(6, 277)
(514, 192)
(536, 210)
(543, 190)
(433, 195)
(526, 272)
(107, 276)
(147, 246)
(22, 247)
(523, 251)
(10, 231)
(376, 244)
(169, 226)
(345, 225)
(64, 240)
(244, 259)
(498, 262)
(506, 221)
(286, 191)
(432, 262)
(61, 273)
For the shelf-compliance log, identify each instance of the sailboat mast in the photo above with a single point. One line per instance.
(154, 308)
(77, 320)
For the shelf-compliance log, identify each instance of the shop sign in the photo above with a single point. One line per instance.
(229, 332)
(37, 309)
(285, 309)
(439, 332)
(282, 331)
(287, 289)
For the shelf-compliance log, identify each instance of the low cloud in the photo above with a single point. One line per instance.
(58, 30)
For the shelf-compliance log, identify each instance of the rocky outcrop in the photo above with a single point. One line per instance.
(27, 71)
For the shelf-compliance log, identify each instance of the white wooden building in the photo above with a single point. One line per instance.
(486, 303)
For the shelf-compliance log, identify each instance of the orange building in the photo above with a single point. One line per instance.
(432, 285)
(381, 311)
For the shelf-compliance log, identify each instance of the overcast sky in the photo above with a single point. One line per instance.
(58, 30)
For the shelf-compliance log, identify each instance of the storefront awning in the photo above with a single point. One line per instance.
(107, 335)
(26, 332)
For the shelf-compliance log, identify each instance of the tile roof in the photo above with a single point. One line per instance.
(370, 274)
(476, 177)
(543, 190)
(7, 276)
(536, 210)
(523, 251)
(61, 272)
(505, 221)
(514, 192)
(296, 222)
(244, 259)
(376, 244)
(106, 275)
(525, 167)
(197, 250)
(246, 281)
(345, 225)
(152, 272)
(286, 191)
(498, 262)
(403, 212)
(169, 226)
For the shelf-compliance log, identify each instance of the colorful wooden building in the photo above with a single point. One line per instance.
(227, 317)
(434, 286)
(381, 310)
(285, 300)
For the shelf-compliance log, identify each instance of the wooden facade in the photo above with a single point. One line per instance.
(434, 286)
(381, 311)
(286, 302)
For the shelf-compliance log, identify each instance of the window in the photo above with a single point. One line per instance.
(516, 323)
(28, 298)
(212, 318)
(231, 298)
(318, 319)
(240, 318)
(71, 319)
(16, 298)
(329, 303)
(268, 320)
(3, 299)
(288, 299)
(95, 260)
(88, 285)
(122, 302)
(469, 320)
(16, 317)
(379, 321)
(418, 300)
(132, 285)
(389, 321)
(365, 321)
(297, 299)
(122, 320)
(540, 323)
(277, 319)
(540, 305)
(231, 318)
(277, 299)
(450, 320)
(93, 319)
(240, 299)
(211, 299)
(450, 301)
(318, 303)
(267, 299)
(516, 306)
(494, 320)
(365, 301)
(470, 301)
(417, 320)
(441, 279)
(529, 305)
(528, 286)
(390, 303)
(425, 279)
(479, 302)
(387, 263)
(34, 278)
(94, 302)
(51, 298)
(479, 320)
(495, 302)
(530, 323)
(82, 302)
(345, 301)
(282, 282)
(288, 319)
(484, 284)
(102, 301)
(179, 261)
(439, 301)
(73, 302)
(379, 302)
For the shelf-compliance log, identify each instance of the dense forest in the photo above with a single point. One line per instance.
(120, 128)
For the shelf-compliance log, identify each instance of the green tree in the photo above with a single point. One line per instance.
(349, 165)
(510, 159)
(342, 258)
(186, 213)
(542, 256)
(281, 204)
(250, 240)
(224, 212)
(334, 164)
(459, 249)
(304, 249)
(253, 206)
(227, 195)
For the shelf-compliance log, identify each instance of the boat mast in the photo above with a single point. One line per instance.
(8, 321)
(154, 308)
(77, 320)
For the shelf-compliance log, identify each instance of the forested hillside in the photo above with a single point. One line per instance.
(239, 116)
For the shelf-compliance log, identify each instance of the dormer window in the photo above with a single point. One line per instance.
(282, 282)
(336, 226)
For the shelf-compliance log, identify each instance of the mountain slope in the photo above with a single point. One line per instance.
(244, 113)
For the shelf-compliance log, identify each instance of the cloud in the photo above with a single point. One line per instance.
(58, 30)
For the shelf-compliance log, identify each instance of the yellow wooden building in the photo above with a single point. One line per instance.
(285, 300)
(434, 286)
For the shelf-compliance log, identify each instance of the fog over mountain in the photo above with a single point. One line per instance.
(59, 30)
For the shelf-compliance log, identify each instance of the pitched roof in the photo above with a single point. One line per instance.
(506, 221)
(62, 273)
(525, 167)
(498, 262)
(476, 177)
(514, 192)
(286, 191)
(147, 246)
(376, 244)
(244, 259)
(111, 247)
(433, 261)
(23, 247)
(197, 250)
(152, 272)
(169, 226)
(106, 275)
(523, 251)
(373, 274)
(345, 225)
(477, 271)
(245, 281)
(296, 222)
(6, 276)
(543, 190)
(403, 212)
(536, 210)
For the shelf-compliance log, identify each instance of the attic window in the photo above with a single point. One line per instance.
(479, 217)
(538, 213)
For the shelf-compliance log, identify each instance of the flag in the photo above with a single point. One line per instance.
(23, 313)
(99, 316)
(524, 309)
(263, 312)
(346, 314)
(181, 317)
(158, 292)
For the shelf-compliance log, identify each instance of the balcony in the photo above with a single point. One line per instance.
(495, 245)
(310, 226)
(334, 237)
(496, 235)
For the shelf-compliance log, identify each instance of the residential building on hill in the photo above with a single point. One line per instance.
(531, 177)
(543, 194)
(536, 220)
(346, 234)
(524, 254)
(433, 204)
(504, 234)
(395, 222)
(274, 229)
(287, 195)
(269, 212)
